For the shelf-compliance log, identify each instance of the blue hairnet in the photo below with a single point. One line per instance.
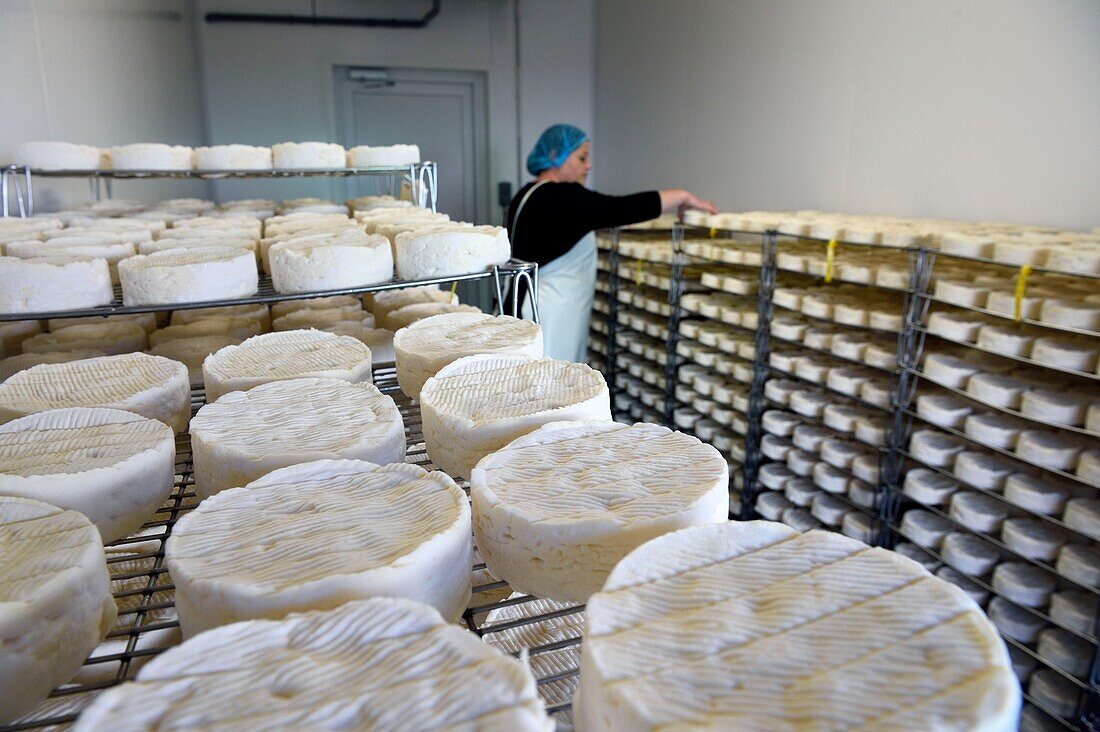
(555, 145)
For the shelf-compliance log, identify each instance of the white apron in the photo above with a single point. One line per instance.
(566, 288)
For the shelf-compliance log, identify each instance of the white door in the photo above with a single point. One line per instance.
(441, 111)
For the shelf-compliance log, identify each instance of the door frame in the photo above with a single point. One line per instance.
(477, 81)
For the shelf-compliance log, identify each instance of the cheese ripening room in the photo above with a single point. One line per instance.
(549, 365)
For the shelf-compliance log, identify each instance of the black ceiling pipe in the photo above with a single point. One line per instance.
(327, 20)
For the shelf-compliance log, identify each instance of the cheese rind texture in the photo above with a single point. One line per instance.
(55, 155)
(247, 434)
(55, 599)
(479, 404)
(188, 275)
(115, 467)
(421, 255)
(556, 509)
(753, 626)
(427, 345)
(50, 283)
(291, 354)
(316, 535)
(154, 387)
(330, 264)
(377, 664)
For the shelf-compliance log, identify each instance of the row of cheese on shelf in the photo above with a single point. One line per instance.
(1073, 252)
(728, 251)
(191, 335)
(1053, 300)
(814, 465)
(1046, 448)
(1004, 385)
(721, 306)
(154, 156)
(878, 350)
(304, 252)
(868, 385)
(846, 305)
(1065, 352)
(403, 636)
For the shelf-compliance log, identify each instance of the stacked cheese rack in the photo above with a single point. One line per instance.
(997, 453)
(858, 357)
(422, 180)
(644, 331)
(548, 632)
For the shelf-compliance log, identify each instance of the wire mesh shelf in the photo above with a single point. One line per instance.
(514, 269)
(549, 632)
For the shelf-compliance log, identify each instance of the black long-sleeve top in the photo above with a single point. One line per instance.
(558, 214)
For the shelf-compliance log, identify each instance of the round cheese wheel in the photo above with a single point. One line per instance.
(56, 592)
(944, 410)
(1007, 339)
(1088, 466)
(1023, 583)
(1061, 407)
(948, 370)
(800, 520)
(1054, 692)
(1081, 563)
(188, 275)
(935, 448)
(858, 526)
(840, 453)
(775, 476)
(280, 544)
(871, 431)
(801, 462)
(1014, 621)
(976, 592)
(535, 519)
(961, 292)
(800, 492)
(772, 505)
(779, 423)
(646, 676)
(978, 511)
(151, 386)
(865, 468)
(842, 417)
(924, 528)
(1071, 313)
(428, 345)
(956, 327)
(1035, 494)
(247, 434)
(830, 479)
(392, 649)
(1075, 610)
(1033, 538)
(774, 447)
(1065, 651)
(115, 467)
(285, 355)
(478, 404)
(918, 555)
(1083, 515)
(1051, 449)
(1064, 352)
(970, 554)
(829, 510)
(928, 487)
(982, 471)
(1000, 390)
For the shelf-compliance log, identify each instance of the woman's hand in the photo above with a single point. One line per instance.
(679, 200)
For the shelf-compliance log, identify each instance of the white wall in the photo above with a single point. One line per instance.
(557, 68)
(100, 72)
(984, 109)
(271, 83)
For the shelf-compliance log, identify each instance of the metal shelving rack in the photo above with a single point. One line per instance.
(912, 282)
(512, 272)
(147, 624)
(422, 178)
(921, 302)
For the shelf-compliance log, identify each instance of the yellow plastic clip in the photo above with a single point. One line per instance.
(638, 274)
(830, 260)
(454, 287)
(1021, 288)
(713, 231)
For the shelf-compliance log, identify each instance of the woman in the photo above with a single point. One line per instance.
(551, 221)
